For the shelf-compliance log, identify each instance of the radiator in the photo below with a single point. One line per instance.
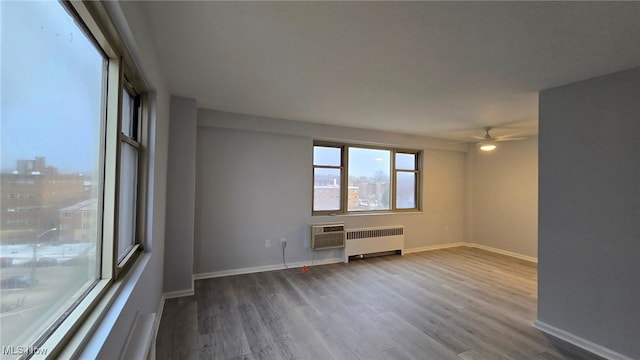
(373, 240)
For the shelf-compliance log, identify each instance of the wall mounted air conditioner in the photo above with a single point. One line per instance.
(326, 236)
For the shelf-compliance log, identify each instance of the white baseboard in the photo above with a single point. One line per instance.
(256, 269)
(179, 293)
(579, 342)
(503, 252)
(432, 247)
(473, 245)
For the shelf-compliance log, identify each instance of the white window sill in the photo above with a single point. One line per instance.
(84, 332)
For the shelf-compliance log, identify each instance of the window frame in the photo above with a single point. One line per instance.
(344, 179)
(67, 336)
(417, 171)
(139, 119)
(122, 74)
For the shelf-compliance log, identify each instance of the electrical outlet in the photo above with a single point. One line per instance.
(283, 242)
(267, 243)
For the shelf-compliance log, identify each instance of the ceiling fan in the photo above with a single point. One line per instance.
(488, 142)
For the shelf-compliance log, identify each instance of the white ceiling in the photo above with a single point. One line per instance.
(432, 68)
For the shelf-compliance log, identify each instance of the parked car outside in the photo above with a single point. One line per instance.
(17, 282)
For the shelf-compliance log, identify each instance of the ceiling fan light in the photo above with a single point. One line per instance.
(487, 146)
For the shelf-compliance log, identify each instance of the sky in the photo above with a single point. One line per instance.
(51, 85)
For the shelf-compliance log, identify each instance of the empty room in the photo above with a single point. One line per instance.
(320, 180)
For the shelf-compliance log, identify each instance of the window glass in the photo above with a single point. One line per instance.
(326, 189)
(369, 179)
(127, 114)
(406, 190)
(128, 195)
(405, 161)
(51, 136)
(327, 156)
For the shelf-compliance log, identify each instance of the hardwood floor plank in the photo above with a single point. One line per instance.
(397, 354)
(412, 340)
(333, 342)
(181, 341)
(300, 331)
(225, 325)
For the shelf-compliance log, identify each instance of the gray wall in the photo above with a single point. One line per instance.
(180, 196)
(256, 185)
(504, 190)
(589, 220)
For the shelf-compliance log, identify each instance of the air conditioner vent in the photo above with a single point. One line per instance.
(327, 236)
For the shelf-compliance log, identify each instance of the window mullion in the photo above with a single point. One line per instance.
(142, 137)
(393, 180)
(344, 193)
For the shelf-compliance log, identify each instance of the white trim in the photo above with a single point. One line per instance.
(471, 245)
(257, 269)
(140, 339)
(179, 293)
(88, 340)
(579, 342)
(503, 252)
(432, 247)
(156, 327)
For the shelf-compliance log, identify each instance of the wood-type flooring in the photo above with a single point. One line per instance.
(459, 303)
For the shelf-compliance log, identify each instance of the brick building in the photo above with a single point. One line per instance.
(31, 196)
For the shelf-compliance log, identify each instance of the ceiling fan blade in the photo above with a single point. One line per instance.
(511, 134)
(510, 139)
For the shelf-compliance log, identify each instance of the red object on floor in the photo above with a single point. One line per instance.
(305, 268)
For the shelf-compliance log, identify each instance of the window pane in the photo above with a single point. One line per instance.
(369, 179)
(405, 161)
(51, 131)
(128, 195)
(326, 189)
(327, 156)
(406, 190)
(127, 114)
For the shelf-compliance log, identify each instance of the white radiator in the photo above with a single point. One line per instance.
(373, 240)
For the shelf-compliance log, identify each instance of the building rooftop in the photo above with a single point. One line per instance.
(86, 205)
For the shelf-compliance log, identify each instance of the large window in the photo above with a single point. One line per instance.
(71, 141)
(352, 179)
